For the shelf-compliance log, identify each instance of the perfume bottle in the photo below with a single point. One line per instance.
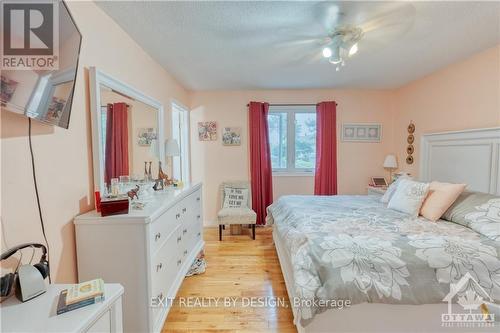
(115, 187)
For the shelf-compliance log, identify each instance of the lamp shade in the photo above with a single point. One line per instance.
(390, 162)
(171, 147)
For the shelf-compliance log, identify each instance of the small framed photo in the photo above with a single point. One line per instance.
(379, 182)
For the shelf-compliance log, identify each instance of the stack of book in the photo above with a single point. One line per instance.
(80, 295)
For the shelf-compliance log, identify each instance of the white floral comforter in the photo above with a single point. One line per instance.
(353, 247)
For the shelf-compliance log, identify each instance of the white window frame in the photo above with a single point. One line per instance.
(181, 165)
(291, 170)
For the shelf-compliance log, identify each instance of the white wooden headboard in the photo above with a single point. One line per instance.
(471, 157)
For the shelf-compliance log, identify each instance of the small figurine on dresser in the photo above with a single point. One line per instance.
(158, 186)
(134, 192)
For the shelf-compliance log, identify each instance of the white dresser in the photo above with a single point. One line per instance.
(148, 251)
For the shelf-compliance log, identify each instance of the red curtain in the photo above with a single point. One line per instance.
(116, 154)
(325, 180)
(260, 160)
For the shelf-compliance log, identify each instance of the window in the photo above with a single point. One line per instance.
(180, 132)
(292, 138)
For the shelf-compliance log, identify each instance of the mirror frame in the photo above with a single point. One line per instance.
(96, 79)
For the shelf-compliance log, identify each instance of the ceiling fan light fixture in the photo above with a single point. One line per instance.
(353, 50)
(334, 61)
(327, 52)
(343, 44)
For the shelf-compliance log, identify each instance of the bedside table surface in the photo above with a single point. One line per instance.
(376, 190)
(39, 313)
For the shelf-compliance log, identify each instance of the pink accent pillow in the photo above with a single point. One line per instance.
(441, 196)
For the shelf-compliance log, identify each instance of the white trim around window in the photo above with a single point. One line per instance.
(291, 111)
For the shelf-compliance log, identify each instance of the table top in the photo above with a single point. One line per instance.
(379, 190)
(39, 314)
(158, 203)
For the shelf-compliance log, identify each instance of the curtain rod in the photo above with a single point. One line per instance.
(105, 106)
(292, 104)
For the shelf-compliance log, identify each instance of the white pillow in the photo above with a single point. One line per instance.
(235, 197)
(392, 189)
(409, 197)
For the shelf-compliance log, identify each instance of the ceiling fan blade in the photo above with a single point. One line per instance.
(392, 16)
(312, 42)
(309, 56)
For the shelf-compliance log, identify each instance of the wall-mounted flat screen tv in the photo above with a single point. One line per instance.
(39, 92)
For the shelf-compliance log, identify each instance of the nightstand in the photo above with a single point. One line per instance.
(377, 191)
(39, 313)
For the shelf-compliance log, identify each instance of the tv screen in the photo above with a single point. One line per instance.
(40, 90)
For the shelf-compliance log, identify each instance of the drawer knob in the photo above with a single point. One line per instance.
(199, 234)
(177, 216)
(198, 216)
(184, 210)
(179, 262)
(185, 252)
(157, 236)
(198, 199)
(184, 231)
(179, 239)
(159, 266)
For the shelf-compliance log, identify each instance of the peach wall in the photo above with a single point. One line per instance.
(464, 95)
(64, 157)
(214, 163)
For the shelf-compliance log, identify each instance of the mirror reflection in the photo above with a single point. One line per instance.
(129, 133)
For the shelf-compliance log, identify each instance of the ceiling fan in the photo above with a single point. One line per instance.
(343, 44)
(353, 27)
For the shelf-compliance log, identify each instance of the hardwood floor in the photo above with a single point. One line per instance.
(240, 268)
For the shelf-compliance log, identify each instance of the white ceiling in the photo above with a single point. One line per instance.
(277, 45)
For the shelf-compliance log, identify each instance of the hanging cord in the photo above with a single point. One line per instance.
(42, 224)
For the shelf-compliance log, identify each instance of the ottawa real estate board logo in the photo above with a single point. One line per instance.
(468, 305)
(30, 35)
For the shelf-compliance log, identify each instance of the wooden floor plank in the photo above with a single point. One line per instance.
(237, 267)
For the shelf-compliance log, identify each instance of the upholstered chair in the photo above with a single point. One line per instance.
(240, 215)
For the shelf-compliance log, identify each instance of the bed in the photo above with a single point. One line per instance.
(394, 270)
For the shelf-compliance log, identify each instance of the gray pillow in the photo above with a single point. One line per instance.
(478, 211)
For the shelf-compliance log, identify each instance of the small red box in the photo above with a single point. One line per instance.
(114, 206)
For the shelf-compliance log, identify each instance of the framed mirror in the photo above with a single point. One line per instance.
(127, 131)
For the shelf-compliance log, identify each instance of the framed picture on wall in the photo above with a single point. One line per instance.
(231, 136)
(207, 131)
(145, 136)
(352, 132)
(8, 87)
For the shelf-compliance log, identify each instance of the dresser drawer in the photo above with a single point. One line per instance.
(161, 260)
(101, 325)
(164, 268)
(163, 226)
(194, 200)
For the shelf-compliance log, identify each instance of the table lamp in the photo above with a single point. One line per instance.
(390, 163)
(171, 148)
